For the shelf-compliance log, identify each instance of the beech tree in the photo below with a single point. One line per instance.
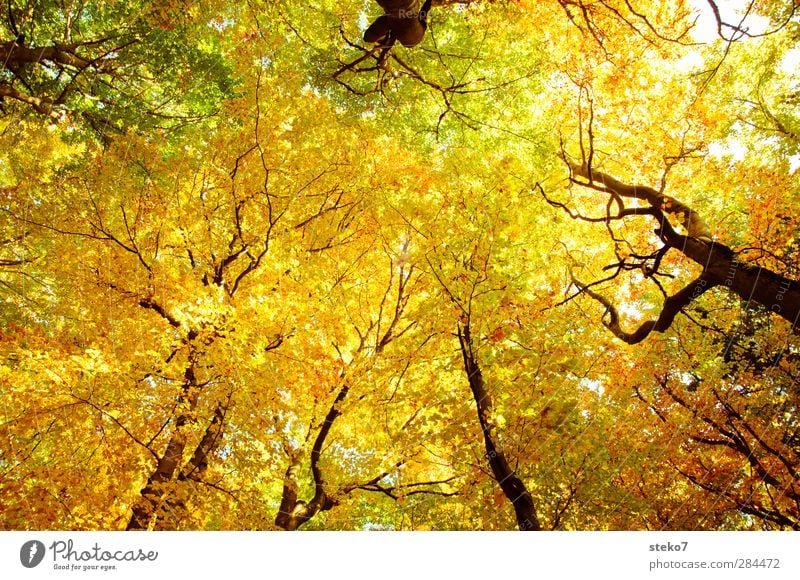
(538, 272)
(110, 65)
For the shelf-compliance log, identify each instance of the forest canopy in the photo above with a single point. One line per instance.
(539, 271)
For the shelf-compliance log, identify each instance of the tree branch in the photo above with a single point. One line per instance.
(721, 267)
(672, 306)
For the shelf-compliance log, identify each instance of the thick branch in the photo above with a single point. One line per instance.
(151, 304)
(43, 105)
(720, 264)
(12, 53)
(293, 512)
(689, 218)
(199, 462)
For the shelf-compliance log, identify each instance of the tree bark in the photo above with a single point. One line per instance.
(513, 487)
(42, 105)
(12, 53)
(294, 512)
(145, 512)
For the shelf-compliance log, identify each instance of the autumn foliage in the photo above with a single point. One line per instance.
(539, 272)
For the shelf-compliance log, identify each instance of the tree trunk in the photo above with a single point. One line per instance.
(294, 512)
(145, 512)
(513, 487)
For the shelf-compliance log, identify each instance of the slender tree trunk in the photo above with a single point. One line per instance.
(513, 487)
(294, 512)
(145, 511)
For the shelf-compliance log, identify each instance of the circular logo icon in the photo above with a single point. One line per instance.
(31, 553)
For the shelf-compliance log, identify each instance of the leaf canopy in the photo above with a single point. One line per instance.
(258, 274)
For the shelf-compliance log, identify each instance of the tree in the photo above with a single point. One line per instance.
(720, 264)
(537, 272)
(110, 65)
